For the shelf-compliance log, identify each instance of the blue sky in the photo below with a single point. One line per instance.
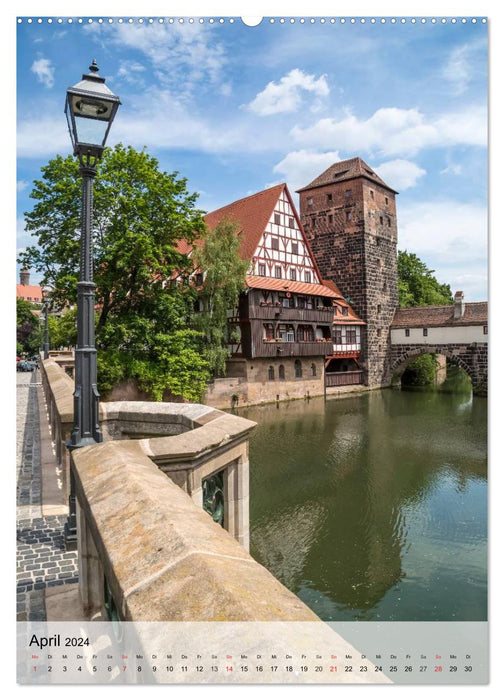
(236, 109)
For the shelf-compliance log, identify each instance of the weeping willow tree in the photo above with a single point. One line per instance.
(223, 271)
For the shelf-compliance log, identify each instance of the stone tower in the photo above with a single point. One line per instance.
(349, 216)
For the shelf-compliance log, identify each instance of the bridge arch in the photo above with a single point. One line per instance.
(403, 356)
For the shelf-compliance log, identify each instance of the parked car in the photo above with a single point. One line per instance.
(25, 366)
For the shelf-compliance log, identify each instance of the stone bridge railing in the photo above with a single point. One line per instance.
(147, 552)
(146, 548)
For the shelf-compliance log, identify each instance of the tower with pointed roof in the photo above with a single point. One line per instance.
(349, 216)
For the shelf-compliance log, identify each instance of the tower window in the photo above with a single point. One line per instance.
(274, 243)
(389, 222)
(329, 198)
(381, 220)
(386, 200)
(309, 201)
(277, 218)
(314, 222)
(330, 219)
(349, 216)
(348, 193)
(371, 194)
(378, 309)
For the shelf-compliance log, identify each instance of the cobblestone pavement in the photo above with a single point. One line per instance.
(42, 560)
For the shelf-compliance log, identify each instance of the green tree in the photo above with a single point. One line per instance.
(223, 270)
(417, 284)
(27, 328)
(63, 329)
(140, 212)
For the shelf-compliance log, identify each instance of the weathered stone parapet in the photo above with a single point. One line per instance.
(58, 390)
(164, 558)
(191, 442)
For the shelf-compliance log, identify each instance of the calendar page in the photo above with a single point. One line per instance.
(252, 349)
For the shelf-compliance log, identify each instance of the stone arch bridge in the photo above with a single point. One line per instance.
(459, 332)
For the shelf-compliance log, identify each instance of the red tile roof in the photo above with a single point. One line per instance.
(476, 313)
(252, 215)
(281, 285)
(34, 291)
(346, 170)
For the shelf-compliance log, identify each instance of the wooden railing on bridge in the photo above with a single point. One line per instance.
(343, 378)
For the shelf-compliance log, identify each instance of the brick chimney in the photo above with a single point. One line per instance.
(24, 277)
(459, 305)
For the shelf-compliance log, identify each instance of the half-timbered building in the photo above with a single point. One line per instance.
(285, 326)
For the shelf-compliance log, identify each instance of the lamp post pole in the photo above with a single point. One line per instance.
(86, 430)
(46, 329)
(90, 109)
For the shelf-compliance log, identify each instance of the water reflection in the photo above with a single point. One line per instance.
(374, 507)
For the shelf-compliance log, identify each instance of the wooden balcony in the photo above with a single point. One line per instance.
(265, 348)
(284, 314)
(344, 378)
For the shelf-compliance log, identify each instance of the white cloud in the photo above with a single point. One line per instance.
(38, 138)
(451, 170)
(451, 238)
(44, 71)
(21, 185)
(286, 95)
(395, 131)
(462, 65)
(175, 50)
(130, 72)
(400, 174)
(301, 167)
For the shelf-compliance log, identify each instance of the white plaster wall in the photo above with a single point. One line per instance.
(439, 335)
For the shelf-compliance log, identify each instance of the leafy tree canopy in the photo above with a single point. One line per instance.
(224, 278)
(139, 215)
(27, 328)
(417, 284)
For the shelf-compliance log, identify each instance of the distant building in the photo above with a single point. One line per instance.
(28, 292)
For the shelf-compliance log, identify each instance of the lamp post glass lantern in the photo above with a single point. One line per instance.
(90, 109)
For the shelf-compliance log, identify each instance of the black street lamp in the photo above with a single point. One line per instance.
(90, 110)
(46, 295)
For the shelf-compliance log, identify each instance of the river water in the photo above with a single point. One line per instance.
(374, 507)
